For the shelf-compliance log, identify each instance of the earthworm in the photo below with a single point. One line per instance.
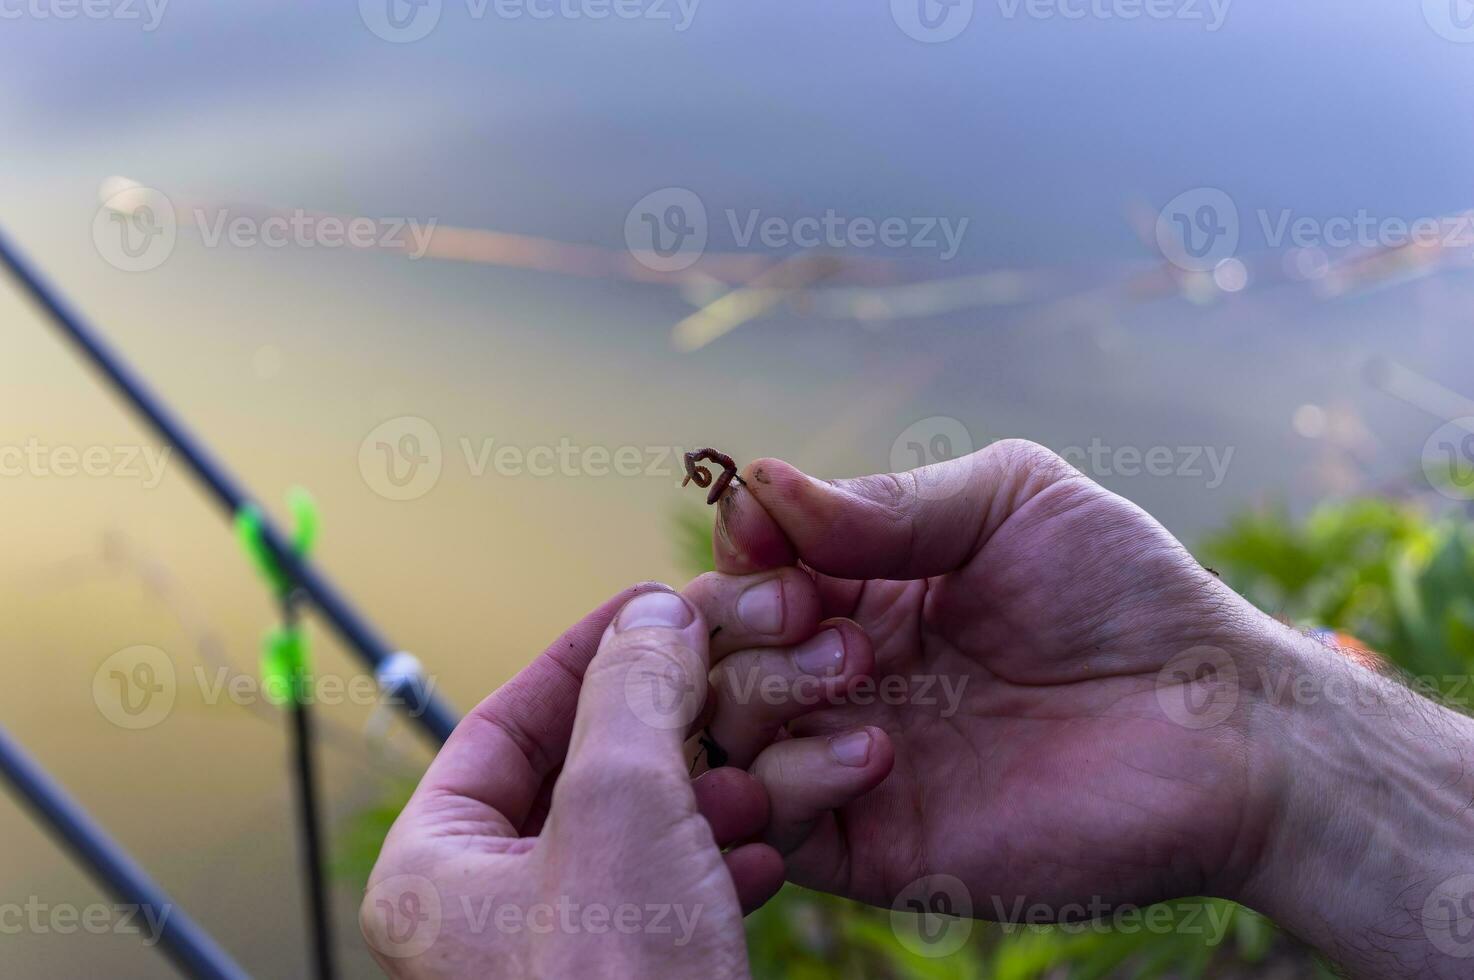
(701, 475)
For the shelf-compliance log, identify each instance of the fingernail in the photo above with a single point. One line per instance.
(852, 749)
(761, 607)
(823, 655)
(654, 609)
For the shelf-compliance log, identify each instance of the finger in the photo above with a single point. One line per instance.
(808, 777)
(736, 806)
(642, 690)
(767, 609)
(733, 802)
(757, 871)
(760, 691)
(505, 748)
(908, 525)
(745, 538)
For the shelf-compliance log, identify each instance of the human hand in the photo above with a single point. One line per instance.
(1049, 649)
(1126, 728)
(544, 844)
(623, 876)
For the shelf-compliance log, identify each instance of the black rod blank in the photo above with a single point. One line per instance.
(189, 946)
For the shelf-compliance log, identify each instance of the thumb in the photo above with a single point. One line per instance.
(909, 525)
(641, 692)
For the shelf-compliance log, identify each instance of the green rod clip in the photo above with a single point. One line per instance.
(285, 657)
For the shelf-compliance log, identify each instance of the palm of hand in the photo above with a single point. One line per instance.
(1055, 777)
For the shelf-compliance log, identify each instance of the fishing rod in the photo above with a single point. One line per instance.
(189, 946)
(407, 685)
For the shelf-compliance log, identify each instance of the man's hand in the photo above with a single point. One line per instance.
(1026, 616)
(625, 877)
(1083, 717)
(546, 843)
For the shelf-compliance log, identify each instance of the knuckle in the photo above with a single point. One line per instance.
(651, 647)
(1023, 453)
(774, 770)
(893, 495)
(758, 687)
(1030, 462)
(703, 586)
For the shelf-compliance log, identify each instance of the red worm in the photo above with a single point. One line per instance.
(701, 475)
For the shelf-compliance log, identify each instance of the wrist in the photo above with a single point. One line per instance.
(1364, 827)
